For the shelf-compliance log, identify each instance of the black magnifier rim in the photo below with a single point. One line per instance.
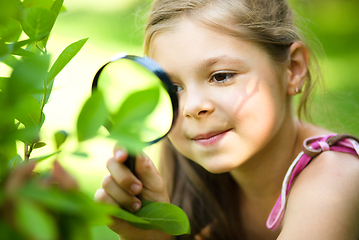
(154, 67)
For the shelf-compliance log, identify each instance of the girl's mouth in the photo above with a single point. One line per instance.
(211, 138)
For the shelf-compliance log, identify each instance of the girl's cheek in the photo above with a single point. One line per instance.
(174, 134)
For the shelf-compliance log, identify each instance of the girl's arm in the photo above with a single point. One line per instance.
(124, 189)
(324, 201)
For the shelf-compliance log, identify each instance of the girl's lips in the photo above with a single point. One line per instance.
(210, 139)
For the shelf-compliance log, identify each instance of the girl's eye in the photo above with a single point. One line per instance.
(222, 77)
(177, 88)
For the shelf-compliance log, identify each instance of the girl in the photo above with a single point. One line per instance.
(236, 65)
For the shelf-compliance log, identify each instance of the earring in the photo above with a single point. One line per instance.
(298, 89)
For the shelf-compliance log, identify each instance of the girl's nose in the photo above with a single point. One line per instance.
(197, 105)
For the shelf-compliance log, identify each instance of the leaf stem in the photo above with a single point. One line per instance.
(27, 151)
(38, 47)
(43, 102)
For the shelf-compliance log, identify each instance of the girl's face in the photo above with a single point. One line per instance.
(231, 100)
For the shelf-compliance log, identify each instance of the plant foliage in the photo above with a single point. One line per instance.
(49, 205)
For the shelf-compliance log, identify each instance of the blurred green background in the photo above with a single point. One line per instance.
(115, 26)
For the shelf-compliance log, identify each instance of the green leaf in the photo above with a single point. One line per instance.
(27, 135)
(136, 107)
(5, 50)
(28, 78)
(155, 215)
(80, 154)
(55, 8)
(130, 120)
(92, 116)
(72, 204)
(130, 140)
(29, 112)
(65, 57)
(38, 3)
(10, 30)
(48, 4)
(9, 60)
(49, 89)
(37, 21)
(28, 41)
(14, 162)
(9, 8)
(127, 216)
(50, 198)
(39, 159)
(8, 231)
(42, 120)
(3, 82)
(60, 138)
(35, 221)
(22, 52)
(165, 217)
(39, 145)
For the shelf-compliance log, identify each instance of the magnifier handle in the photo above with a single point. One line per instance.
(130, 163)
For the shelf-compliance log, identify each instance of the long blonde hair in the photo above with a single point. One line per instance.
(268, 23)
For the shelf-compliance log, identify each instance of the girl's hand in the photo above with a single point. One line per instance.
(121, 187)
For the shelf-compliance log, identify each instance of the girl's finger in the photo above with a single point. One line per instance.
(124, 177)
(102, 196)
(120, 154)
(153, 186)
(124, 199)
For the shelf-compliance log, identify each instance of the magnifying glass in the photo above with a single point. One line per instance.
(140, 98)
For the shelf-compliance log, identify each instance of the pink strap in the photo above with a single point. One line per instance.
(311, 148)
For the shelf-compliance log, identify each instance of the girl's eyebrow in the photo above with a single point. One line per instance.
(207, 63)
(214, 60)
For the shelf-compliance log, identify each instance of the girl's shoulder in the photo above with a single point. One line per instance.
(324, 201)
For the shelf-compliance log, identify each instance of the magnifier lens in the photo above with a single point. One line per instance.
(123, 77)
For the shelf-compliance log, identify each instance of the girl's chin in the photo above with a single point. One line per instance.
(219, 167)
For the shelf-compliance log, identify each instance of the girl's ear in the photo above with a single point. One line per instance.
(297, 68)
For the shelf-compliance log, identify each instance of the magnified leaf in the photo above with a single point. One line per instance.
(136, 107)
(92, 116)
(64, 58)
(130, 140)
